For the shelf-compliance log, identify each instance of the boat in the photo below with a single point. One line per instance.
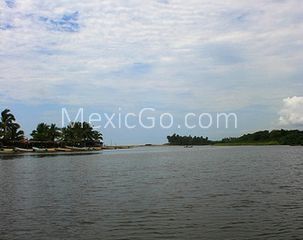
(63, 150)
(17, 149)
(51, 150)
(6, 150)
(77, 148)
(40, 150)
(188, 146)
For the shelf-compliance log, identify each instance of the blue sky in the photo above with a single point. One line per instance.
(172, 55)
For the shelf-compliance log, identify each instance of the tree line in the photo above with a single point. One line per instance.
(74, 134)
(278, 137)
(274, 137)
(176, 139)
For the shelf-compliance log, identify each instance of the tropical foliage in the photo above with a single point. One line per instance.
(81, 134)
(274, 137)
(75, 134)
(9, 128)
(45, 132)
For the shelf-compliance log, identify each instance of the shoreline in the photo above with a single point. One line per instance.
(68, 151)
(63, 151)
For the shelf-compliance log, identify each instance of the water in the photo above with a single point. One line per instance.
(155, 193)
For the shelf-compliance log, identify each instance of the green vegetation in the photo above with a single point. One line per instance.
(46, 132)
(81, 134)
(275, 137)
(187, 140)
(75, 134)
(9, 128)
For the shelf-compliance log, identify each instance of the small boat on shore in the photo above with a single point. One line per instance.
(39, 150)
(6, 150)
(63, 150)
(16, 149)
(77, 148)
(51, 150)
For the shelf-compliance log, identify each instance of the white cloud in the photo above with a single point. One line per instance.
(291, 113)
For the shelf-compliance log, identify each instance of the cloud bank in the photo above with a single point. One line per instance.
(291, 113)
(195, 54)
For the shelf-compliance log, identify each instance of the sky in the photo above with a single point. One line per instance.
(174, 56)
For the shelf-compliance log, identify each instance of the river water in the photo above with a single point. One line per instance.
(155, 193)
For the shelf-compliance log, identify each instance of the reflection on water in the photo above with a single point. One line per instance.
(154, 193)
(12, 156)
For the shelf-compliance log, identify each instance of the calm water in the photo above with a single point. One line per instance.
(155, 193)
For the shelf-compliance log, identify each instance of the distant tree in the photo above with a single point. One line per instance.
(16, 134)
(41, 133)
(7, 120)
(187, 140)
(9, 129)
(283, 137)
(81, 134)
(54, 132)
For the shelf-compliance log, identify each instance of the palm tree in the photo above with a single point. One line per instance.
(54, 132)
(9, 129)
(41, 133)
(90, 136)
(81, 134)
(72, 134)
(7, 119)
(97, 137)
(45, 132)
(68, 135)
(16, 134)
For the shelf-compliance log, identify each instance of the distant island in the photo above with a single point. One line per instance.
(274, 137)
